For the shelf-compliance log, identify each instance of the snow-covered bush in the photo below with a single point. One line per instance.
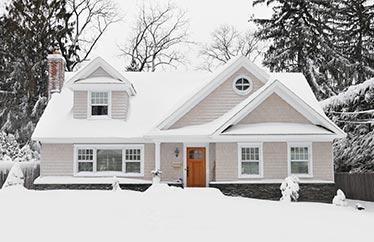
(156, 176)
(290, 189)
(15, 177)
(10, 150)
(339, 199)
(115, 184)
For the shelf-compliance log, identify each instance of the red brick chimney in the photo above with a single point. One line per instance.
(56, 72)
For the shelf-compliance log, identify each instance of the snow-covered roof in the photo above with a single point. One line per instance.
(157, 96)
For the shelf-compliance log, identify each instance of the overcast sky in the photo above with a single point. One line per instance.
(204, 16)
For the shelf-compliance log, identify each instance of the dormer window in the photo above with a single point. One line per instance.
(99, 104)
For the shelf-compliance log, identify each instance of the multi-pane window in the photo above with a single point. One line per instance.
(250, 161)
(102, 158)
(132, 160)
(99, 103)
(85, 160)
(300, 159)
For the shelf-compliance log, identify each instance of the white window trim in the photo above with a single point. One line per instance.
(245, 92)
(89, 105)
(261, 163)
(109, 173)
(310, 161)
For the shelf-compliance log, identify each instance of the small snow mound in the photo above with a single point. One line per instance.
(15, 177)
(290, 189)
(339, 199)
(161, 188)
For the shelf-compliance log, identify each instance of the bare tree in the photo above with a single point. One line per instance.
(156, 39)
(227, 42)
(89, 20)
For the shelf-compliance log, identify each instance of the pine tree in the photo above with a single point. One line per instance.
(355, 40)
(300, 32)
(30, 28)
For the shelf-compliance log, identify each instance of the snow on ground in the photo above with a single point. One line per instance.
(172, 214)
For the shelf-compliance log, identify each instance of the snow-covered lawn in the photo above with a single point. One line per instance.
(172, 214)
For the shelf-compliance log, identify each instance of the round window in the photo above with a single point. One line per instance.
(242, 86)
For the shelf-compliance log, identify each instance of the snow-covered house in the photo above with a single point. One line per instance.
(240, 129)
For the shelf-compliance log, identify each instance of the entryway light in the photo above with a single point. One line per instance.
(176, 152)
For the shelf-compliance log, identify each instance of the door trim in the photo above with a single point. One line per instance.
(191, 145)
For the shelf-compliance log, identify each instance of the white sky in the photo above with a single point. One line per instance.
(204, 16)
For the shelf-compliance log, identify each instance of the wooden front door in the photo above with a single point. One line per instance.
(196, 167)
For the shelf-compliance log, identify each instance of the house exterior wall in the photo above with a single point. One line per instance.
(212, 161)
(275, 161)
(171, 166)
(80, 105)
(120, 105)
(218, 102)
(274, 109)
(56, 160)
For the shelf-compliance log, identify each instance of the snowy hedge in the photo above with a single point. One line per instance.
(353, 111)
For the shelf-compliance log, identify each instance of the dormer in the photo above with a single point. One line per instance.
(100, 92)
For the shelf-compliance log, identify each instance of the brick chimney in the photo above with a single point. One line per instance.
(56, 72)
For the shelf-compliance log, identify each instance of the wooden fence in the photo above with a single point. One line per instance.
(358, 186)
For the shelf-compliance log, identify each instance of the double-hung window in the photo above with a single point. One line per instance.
(85, 160)
(300, 159)
(110, 160)
(99, 104)
(250, 160)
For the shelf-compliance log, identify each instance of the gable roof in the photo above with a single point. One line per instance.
(218, 77)
(98, 71)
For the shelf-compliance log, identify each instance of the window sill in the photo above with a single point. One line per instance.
(302, 175)
(103, 117)
(108, 174)
(251, 176)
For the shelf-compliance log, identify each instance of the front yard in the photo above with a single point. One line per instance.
(172, 214)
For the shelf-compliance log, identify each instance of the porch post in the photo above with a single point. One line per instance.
(157, 156)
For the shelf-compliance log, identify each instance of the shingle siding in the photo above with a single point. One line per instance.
(218, 102)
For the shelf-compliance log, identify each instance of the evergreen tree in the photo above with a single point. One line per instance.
(355, 40)
(30, 28)
(300, 32)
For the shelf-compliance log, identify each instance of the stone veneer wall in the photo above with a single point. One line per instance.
(311, 192)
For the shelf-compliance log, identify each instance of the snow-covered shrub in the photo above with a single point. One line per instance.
(156, 176)
(290, 189)
(15, 177)
(339, 199)
(115, 184)
(10, 150)
(359, 206)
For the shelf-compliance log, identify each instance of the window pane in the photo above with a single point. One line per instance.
(132, 154)
(99, 98)
(85, 166)
(85, 154)
(250, 168)
(299, 167)
(299, 154)
(109, 160)
(133, 167)
(99, 110)
(250, 154)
